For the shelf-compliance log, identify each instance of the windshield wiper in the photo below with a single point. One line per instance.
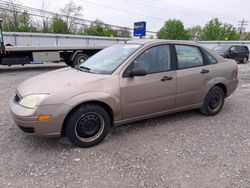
(83, 68)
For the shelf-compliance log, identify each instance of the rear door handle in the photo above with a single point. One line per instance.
(204, 71)
(166, 78)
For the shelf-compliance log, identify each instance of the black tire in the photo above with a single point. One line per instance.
(69, 63)
(213, 102)
(245, 60)
(88, 125)
(79, 59)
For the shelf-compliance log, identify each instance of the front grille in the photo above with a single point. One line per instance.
(17, 98)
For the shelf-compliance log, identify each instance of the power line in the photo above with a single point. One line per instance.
(127, 11)
(195, 11)
(160, 6)
(157, 7)
(4, 5)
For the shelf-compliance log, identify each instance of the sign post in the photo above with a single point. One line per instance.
(2, 49)
(140, 29)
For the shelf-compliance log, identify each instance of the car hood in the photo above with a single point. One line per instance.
(60, 80)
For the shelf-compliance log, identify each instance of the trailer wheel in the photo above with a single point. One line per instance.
(79, 59)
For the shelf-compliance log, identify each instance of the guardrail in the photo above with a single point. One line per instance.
(212, 44)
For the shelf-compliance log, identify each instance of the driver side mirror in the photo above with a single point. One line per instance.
(137, 72)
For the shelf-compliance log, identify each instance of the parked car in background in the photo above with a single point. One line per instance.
(123, 83)
(236, 52)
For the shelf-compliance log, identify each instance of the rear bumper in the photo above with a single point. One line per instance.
(26, 119)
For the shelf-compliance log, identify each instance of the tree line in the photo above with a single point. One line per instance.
(15, 20)
(213, 30)
(22, 21)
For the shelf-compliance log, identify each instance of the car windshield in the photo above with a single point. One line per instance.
(221, 48)
(107, 60)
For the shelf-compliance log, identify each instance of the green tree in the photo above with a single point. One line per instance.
(5, 23)
(246, 36)
(10, 17)
(58, 25)
(15, 20)
(195, 32)
(173, 29)
(122, 32)
(25, 23)
(98, 28)
(216, 30)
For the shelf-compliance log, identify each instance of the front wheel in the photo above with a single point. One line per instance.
(213, 102)
(88, 125)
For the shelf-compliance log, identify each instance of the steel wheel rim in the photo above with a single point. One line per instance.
(82, 60)
(245, 60)
(89, 127)
(215, 101)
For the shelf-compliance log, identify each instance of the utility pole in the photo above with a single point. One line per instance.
(242, 28)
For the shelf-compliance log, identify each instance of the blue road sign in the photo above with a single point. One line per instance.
(140, 29)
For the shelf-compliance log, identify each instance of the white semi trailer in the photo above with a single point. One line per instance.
(23, 48)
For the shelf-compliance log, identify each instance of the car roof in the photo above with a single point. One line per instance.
(155, 41)
(146, 42)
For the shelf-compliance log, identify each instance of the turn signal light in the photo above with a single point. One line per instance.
(44, 117)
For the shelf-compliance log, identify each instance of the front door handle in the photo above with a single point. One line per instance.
(166, 78)
(204, 71)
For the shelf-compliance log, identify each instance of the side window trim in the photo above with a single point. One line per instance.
(207, 60)
(172, 60)
(177, 64)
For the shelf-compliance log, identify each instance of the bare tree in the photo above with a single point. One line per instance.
(72, 12)
(11, 19)
(45, 19)
(4, 17)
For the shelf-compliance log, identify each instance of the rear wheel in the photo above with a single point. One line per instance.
(79, 59)
(88, 125)
(245, 60)
(213, 102)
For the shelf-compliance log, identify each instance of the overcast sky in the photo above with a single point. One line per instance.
(155, 12)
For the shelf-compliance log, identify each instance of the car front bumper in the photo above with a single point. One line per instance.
(27, 119)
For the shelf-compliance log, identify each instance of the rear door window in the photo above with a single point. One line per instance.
(240, 49)
(188, 56)
(243, 49)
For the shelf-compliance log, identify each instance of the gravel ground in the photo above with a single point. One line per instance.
(180, 150)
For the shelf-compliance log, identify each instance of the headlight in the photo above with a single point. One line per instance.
(31, 101)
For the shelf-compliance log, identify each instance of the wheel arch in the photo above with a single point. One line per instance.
(223, 87)
(221, 82)
(100, 103)
(73, 54)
